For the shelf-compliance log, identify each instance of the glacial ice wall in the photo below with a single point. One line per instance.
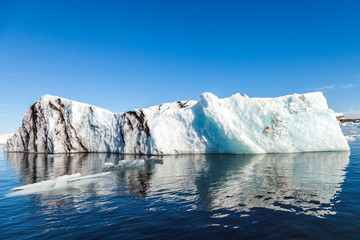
(237, 124)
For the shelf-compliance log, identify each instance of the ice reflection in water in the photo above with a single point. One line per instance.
(304, 183)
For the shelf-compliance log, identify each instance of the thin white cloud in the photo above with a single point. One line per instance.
(3, 104)
(325, 88)
(334, 87)
(2, 115)
(348, 86)
(351, 114)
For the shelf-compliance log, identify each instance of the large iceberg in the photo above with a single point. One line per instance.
(237, 124)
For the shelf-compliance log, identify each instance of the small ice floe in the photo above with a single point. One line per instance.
(131, 163)
(347, 124)
(108, 164)
(49, 185)
(351, 138)
(44, 185)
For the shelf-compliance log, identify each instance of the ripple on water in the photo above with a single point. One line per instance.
(302, 195)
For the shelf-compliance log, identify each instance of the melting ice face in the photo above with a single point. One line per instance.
(306, 183)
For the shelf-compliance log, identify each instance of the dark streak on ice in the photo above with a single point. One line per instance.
(182, 104)
(64, 119)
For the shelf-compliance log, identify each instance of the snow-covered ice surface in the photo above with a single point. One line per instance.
(237, 124)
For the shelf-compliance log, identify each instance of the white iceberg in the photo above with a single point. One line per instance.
(237, 124)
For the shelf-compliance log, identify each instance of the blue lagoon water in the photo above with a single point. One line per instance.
(272, 196)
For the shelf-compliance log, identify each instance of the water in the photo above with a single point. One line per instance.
(274, 196)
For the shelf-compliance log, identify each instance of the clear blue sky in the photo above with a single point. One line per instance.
(123, 55)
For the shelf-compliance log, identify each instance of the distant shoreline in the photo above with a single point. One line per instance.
(349, 120)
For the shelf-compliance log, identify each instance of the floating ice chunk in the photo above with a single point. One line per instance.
(89, 176)
(348, 124)
(38, 186)
(108, 164)
(62, 181)
(351, 131)
(131, 163)
(49, 185)
(350, 138)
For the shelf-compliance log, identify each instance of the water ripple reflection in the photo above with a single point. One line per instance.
(305, 183)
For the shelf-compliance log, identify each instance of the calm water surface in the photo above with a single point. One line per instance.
(274, 196)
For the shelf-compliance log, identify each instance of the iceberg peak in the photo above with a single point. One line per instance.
(207, 98)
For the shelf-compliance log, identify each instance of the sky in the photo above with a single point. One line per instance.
(121, 55)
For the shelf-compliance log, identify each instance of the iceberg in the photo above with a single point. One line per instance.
(4, 138)
(237, 125)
